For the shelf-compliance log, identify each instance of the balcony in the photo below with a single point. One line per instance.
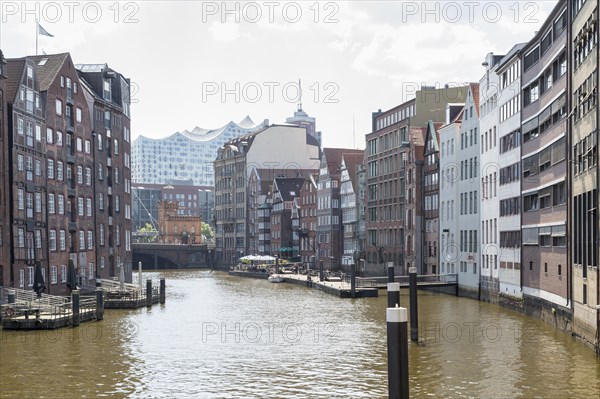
(109, 161)
(72, 226)
(69, 96)
(70, 125)
(110, 220)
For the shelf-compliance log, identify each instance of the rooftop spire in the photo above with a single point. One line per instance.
(299, 95)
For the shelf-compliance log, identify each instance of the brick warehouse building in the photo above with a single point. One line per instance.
(26, 155)
(54, 209)
(107, 93)
(4, 181)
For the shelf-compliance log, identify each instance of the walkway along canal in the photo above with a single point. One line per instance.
(223, 336)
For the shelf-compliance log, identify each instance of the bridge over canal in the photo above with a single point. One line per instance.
(172, 256)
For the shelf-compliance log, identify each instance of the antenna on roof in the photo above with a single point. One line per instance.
(353, 131)
(299, 95)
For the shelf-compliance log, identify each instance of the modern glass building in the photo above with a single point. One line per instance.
(184, 155)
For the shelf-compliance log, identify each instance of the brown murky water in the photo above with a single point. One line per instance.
(226, 337)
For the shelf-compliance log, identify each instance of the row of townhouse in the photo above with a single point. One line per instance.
(518, 211)
(65, 172)
(495, 182)
(278, 193)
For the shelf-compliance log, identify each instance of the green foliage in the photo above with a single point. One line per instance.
(149, 232)
(207, 231)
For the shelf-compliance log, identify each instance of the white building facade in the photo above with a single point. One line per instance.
(449, 209)
(488, 122)
(467, 160)
(509, 165)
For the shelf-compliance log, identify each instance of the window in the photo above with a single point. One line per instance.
(80, 207)
(61, 204)
(51, 204)
(63, 273)
(30, 276)
(81, 240)
(117, 204)
(58, 107)
(38, 202)
(63, 240)
(20, 199)
(79, 174)
(50, 168)
(116, 147)
(101, 232)
(59, 170)
(88, 176)
(52, 240)
(88, 203)
(53, 275)
(90, 241)
(59, 138)
(78, 115)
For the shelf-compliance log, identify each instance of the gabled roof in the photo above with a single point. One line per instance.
(435, 138)
(47, 73)
(474, 87)
(14, 72)
(333, 157)
(351, 161)
(288, 187)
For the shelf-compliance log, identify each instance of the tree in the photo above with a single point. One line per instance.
(207, 231)
(148, 232)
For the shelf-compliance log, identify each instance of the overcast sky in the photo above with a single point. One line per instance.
(353, 57)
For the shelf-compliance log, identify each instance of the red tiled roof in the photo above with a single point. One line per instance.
(475, 93)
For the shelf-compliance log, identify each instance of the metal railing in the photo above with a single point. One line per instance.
(373, 282)
(47, 308)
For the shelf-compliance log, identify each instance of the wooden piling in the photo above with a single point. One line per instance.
(149, 293)
(99, 304)
(162, 291)
(75, 316)
(414, 308)
(397, 349)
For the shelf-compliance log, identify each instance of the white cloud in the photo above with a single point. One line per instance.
(224, 32)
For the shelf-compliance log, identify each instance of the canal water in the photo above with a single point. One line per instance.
(226, 337)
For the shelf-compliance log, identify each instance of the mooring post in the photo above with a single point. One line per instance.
(149, 293)
(163, 290)
(140, 281)
(414, 309)
(11, 296)
(353, 280)
(397, 349)
(99, 303)
(321, 271)
(98, 282)
(390, 268)
(75, 308)
(393, 292)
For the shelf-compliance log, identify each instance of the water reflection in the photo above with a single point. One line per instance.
(225, 337)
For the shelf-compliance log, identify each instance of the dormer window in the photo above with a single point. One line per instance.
(107, 90)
